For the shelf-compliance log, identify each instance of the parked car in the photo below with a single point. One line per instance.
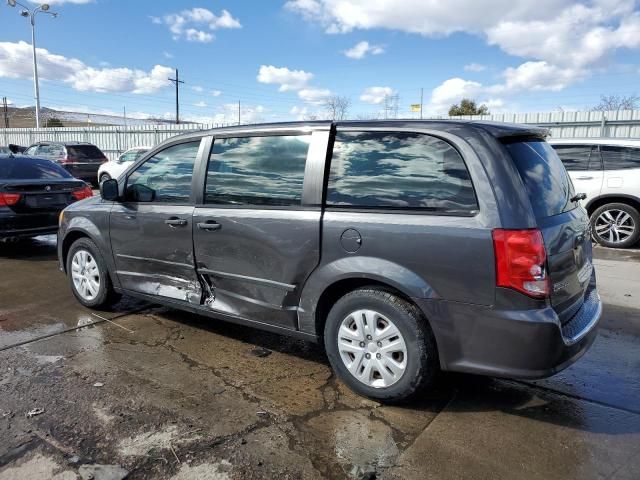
(33, 192)
(80, 159)
(11, 148)
(114, 168)
(408, 246)
(607, 171)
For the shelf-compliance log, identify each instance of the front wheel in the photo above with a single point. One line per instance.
(88, 275)
(380, 345)
(616, 225)
(104, 177)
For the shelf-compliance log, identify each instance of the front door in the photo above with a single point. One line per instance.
(256, 238)
(151, 234)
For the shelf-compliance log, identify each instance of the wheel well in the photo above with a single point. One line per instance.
(66, 245)
(593, 206)
(339, 289)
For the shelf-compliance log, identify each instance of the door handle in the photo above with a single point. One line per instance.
(584, 178)
(176, 222)
(210, 226)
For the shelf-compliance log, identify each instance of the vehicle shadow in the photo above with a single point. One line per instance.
(459, 392)
(37, 249)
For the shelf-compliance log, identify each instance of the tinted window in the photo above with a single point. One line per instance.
(84, 151)
(31, 169)
(400, 170)
(165, 177)
(257, 170)
(578, 157)
(544, 177)
(620, 158)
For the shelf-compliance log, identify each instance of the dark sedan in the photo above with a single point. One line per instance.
(33, 192)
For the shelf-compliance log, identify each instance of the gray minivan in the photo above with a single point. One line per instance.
(408, 247)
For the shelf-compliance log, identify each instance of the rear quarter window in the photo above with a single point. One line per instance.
(620, 158)
(544, 176)
(383, 170)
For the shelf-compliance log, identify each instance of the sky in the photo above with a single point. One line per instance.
(281, 59)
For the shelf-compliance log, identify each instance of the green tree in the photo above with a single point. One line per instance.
(54, 122)
(468, 107)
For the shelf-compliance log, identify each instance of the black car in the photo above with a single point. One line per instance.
(80, 159)
(33, 191)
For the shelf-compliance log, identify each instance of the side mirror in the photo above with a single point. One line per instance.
(109, 190)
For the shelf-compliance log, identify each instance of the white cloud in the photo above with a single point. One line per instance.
(167, 55)
(15, 62)
(287, 79)
(375, 95)
(567, 38)
(314, 96)
(361, 49)
(197, 88)
(200, 104)
(474, 67)
(196, 25)
(216, 93)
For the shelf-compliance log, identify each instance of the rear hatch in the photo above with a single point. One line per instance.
(563, 223)
(84, 160)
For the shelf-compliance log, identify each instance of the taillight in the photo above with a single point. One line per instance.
(104, 160)
(67, 161)
(521, 261)
(9, 199)
(82, 193)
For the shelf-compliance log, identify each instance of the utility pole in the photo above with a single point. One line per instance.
(5, 110)
(238, 112)
(421, 101)
(177, 81)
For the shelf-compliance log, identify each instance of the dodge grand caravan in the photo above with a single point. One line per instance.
(407, 247)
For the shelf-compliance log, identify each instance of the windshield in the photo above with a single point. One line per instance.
(30, 169)
(544, 176)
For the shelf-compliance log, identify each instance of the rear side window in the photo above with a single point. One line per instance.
(84, 151)
(257, 170)
(30, 169)
(620, 158)
(579, 157)
(544, 177)
(398, 170)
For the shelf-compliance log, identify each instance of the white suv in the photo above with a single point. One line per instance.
(608, 172)
(113, 168)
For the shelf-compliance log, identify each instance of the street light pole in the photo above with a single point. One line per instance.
(31, 13)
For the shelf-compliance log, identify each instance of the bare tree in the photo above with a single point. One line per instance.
(337, 107)
(617, 102)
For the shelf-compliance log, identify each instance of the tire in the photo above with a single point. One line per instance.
(420, 356)
(104, 177)
(616, 225)
(102, 296)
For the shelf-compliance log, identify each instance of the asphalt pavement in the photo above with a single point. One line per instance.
(147, 392)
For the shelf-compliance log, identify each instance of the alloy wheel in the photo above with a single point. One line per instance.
(615, 226)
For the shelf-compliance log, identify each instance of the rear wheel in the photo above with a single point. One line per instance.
(88, 275)
(380, 345)
(616, 225)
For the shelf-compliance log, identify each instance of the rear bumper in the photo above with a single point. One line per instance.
(16, 225)
(513, 344)
(86, 172)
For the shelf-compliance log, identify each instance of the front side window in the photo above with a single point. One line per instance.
(262, 171)
(165, 177)
(31, 150)
(578, 157)
(620, 158)
(398, 170)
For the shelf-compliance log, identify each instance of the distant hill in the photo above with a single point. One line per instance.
(26, 118)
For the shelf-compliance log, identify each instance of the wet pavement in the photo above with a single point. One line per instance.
(149, 392)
